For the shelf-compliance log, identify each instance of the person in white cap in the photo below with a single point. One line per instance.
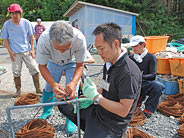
(39, 29)
(18, 36)
(147, 63)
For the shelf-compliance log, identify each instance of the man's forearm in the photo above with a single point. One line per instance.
(32, 42)
(78, 72)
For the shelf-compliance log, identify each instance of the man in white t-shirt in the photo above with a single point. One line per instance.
(61, 48)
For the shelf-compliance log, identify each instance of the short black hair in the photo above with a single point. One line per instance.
(110, 31)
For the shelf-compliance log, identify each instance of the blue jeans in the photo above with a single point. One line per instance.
(152, 89)
(57, 70)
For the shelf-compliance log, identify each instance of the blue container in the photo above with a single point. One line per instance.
(171, 87)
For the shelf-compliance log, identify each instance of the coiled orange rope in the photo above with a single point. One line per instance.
(138, 118)
(181, 131)
(27, 99)
(181, 119)
(136, 133)
(37, 128)
(171, 108)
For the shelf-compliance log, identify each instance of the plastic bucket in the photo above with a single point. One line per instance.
(181, 86)
(177, 66)
(171, 87)
(156, 43)
(163, 66)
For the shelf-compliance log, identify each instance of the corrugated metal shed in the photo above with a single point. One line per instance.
(87, 16)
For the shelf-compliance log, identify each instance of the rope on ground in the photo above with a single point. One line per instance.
(138, 118)
(173, 108)
(37, 128)
(27, 99)
(181, 131)
(181, 119)
(3, 133)
(176, 97)
(136, 133)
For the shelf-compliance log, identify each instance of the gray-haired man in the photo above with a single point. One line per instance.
(56, 47)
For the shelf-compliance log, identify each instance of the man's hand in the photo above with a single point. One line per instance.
(71, 90)
(58, 90)
(89, 88)
(12, 55)
(31, 52)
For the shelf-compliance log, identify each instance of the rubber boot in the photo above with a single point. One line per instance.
(17, 81)
(47, 110)
(70, 127)
(36, 80)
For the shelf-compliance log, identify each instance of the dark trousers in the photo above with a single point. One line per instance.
(88, 122)
(152, 89)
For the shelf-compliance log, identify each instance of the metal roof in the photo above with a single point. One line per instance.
(76, 6)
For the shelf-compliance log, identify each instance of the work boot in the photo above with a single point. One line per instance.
(47, 110)
(36, 81)
(70, 127)
(17, 81)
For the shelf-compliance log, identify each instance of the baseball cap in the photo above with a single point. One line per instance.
(38, 20)
(135, 40)
(14, 8)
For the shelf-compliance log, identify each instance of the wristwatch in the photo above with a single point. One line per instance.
(97, 100)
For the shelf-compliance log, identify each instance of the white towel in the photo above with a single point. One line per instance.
(138, 57)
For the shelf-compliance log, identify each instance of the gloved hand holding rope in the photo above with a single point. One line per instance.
(89, 91)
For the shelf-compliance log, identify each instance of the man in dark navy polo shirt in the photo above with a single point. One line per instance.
(117, 98)
(148, 64)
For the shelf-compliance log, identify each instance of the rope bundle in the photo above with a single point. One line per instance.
(177, 97)
(181, 131)
(27, 99)
(136, 133)
(37, 128)
(173, 108)
(138, 118)
(181, 119)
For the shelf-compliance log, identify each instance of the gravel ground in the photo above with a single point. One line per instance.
(159, 126)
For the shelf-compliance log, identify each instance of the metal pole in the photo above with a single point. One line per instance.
(9, 108)
(78, 118)
(10, 122)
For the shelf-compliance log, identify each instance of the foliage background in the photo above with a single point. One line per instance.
(156, 17)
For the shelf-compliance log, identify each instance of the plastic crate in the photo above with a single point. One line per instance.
(156, 43)
(177, 66)
(163, 66)
(171, 87)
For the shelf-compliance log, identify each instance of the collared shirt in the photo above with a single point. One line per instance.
(46, 51)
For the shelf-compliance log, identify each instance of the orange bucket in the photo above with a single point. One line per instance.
(163, 66)
(181, 85)
(177, 66)
(156, 44)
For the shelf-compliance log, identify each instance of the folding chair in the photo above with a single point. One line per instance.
(9, 108)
